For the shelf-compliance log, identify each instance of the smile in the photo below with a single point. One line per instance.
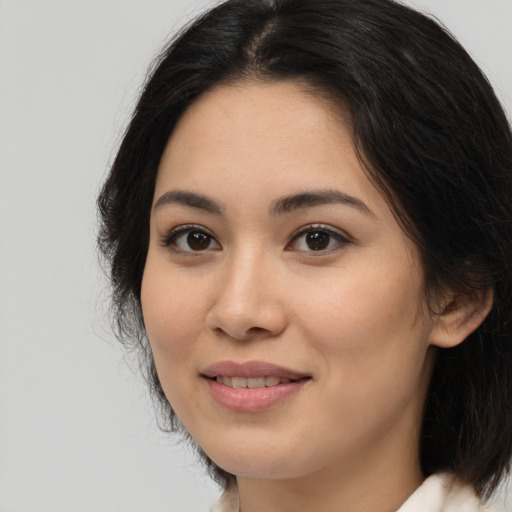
(252, 386)
(251, 382)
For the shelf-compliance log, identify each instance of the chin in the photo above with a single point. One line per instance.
(258, 462)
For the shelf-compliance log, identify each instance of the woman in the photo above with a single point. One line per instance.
(309, 232)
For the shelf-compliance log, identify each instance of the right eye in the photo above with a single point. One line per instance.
(190, 239)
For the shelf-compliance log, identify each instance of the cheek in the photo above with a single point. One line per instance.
(367, 327)
(173, 319)
(172, 314)
(358, 309)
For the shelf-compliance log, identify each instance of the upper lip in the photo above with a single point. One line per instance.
(250, 369)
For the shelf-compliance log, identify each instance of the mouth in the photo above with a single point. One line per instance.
(252, 374)
(253, 382)
(252, 386)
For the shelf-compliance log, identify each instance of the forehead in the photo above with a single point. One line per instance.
(262, 131)
(252, 113)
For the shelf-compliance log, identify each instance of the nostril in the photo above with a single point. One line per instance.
(255, 330)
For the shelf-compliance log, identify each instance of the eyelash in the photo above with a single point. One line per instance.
(169, 240)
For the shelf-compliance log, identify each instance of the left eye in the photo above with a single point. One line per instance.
(317, 240)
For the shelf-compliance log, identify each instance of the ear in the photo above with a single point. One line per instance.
(460, 316)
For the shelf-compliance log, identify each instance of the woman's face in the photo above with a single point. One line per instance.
(283, 303)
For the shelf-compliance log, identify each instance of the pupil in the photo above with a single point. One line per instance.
(317, 240)
(198, 241)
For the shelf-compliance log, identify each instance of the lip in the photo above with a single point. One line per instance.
(252, 400)
(250, 369)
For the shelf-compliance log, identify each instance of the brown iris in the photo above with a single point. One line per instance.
(317, 240)
(198, 241)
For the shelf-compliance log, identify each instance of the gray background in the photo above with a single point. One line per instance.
(76, 427)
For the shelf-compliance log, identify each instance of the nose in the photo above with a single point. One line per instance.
(248, 302)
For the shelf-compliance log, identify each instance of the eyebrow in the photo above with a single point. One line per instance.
(311, 199)
(285, 204)
(190, 199)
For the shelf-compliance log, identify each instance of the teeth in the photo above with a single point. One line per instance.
(257, 382)
(272, 381)
(239, 382)
(251, 382)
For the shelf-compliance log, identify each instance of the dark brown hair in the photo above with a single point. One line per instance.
(434, 139)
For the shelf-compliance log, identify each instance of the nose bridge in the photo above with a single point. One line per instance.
(242, 271)
(247, 301)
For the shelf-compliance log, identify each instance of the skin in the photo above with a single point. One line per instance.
(352, 316)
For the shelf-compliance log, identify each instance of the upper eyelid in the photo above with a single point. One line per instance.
(181, 228)
(320, 227)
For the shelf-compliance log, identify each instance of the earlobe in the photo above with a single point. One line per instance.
(461, 315)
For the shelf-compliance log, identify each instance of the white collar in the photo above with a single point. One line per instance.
(443, 492)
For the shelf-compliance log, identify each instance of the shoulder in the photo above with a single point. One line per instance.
(443, 492)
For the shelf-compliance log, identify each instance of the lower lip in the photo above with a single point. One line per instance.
(252, 400)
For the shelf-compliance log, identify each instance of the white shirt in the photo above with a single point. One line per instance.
(441, 492)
